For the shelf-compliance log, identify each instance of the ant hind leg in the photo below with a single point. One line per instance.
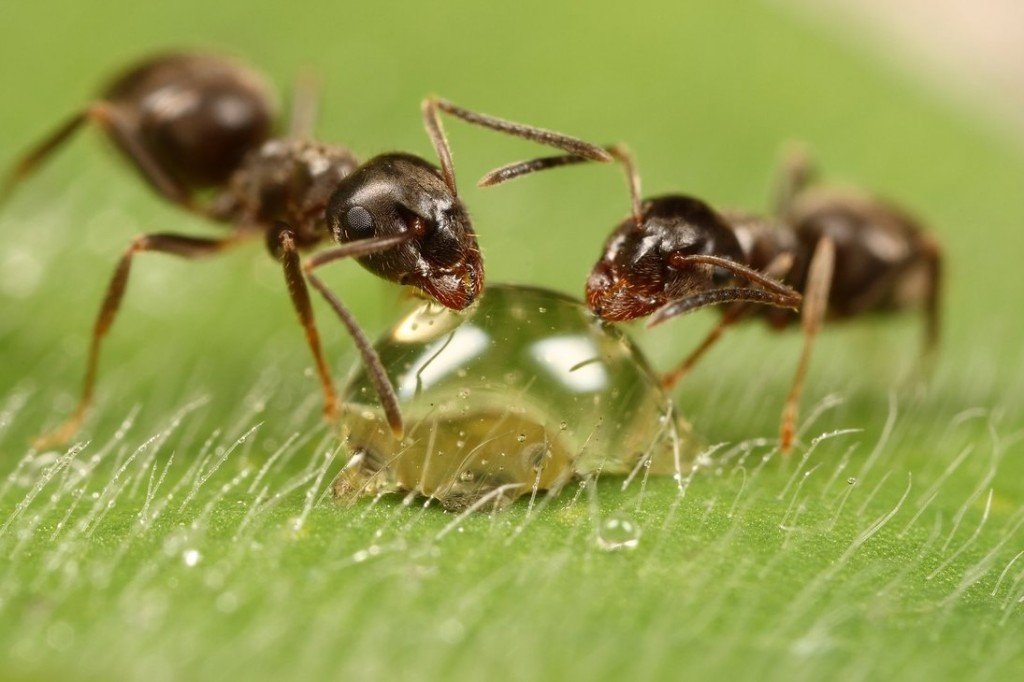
(30, 161)
(109, 117)
(183, 246)
(815, 305)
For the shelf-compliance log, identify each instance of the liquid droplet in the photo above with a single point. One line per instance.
(478, 388)
(191, 557)
(618, 532)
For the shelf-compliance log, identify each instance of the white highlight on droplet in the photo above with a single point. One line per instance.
(442, 357)
(561, 357)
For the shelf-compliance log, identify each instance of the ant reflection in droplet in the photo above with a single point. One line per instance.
(502, 402)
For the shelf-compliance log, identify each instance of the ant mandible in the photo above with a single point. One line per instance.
(847, 252)
(195, 124)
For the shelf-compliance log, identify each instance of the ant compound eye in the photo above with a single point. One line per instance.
(360, 222)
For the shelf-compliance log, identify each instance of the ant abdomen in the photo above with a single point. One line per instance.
(881, 261)
(196, 115)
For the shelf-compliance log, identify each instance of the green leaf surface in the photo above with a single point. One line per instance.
(170, 547)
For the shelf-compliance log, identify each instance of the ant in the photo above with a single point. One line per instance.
(849, 254)
(200, 130)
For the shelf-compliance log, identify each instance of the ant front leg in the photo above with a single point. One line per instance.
(731, 316)
(297, 275)
(116, 125)
(776, 269)
(190, 248)
(815, 305)
(295, 279)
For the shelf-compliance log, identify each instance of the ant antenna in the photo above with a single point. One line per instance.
(617, 152)
(621, 153)
(433, 106)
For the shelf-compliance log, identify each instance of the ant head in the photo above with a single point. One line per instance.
(646, 261)
(395, 194)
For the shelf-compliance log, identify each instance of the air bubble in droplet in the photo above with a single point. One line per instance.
(618, 532)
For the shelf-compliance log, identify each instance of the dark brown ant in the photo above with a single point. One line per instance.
(849, 253)
(200, 129)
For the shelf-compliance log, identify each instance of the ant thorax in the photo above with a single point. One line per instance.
(289, 181)
(522, 393)
(761, 239)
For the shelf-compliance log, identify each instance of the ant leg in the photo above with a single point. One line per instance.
(819, 282)
(432, 106)
(107, 116)
(519, 168)
(795, 173)
(190, 248)
(933, 256)
(622, 154)
(30, 161)
(296, 282)
(617, 152)
(126, 137)
(777, 269)
(732, 315)
(375, 369)
(305, 105)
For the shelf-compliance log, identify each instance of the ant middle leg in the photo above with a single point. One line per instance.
(305, 105)
(183, 246)
(796, 171)
(815, 305)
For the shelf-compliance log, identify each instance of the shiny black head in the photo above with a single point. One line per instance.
(644, 266)
(400, 194)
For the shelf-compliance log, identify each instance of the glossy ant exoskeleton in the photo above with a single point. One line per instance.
(848, 253)
(195, 125)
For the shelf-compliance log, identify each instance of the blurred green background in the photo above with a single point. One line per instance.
(705, 93)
